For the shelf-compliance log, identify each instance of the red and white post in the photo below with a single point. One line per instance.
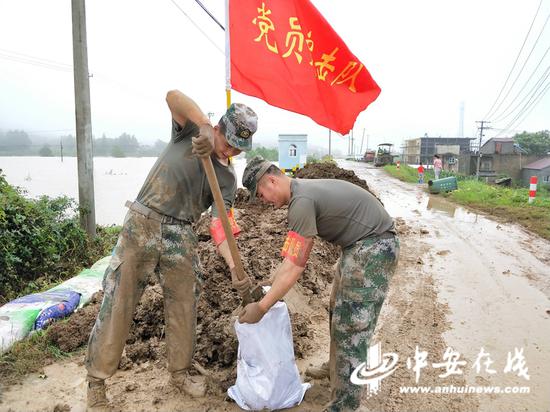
(532, 189)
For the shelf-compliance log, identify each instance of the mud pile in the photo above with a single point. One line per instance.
(263, 233)
(329, 170)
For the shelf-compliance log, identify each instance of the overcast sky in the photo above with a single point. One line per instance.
(427, 57)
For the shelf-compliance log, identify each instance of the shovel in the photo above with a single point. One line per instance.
(255, 293)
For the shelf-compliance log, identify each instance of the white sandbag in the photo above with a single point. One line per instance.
(267, 376)
(87, 282)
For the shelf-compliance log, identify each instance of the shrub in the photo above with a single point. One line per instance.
(41, 241)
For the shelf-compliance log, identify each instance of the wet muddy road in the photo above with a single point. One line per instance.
(495, 279)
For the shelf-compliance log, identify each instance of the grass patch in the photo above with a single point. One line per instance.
(508, 204)
(28, 356)
(409, 174)
(405, 173)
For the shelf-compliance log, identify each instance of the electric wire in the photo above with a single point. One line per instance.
(504, 113)
(536, 87)
(210, 14)
(198, 27)
(515, 62)
(524, 64)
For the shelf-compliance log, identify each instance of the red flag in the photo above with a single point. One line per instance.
(285, 52)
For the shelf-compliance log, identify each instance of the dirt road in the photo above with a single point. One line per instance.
(463, 281)
(495, 280)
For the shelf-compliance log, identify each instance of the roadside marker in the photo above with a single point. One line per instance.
(532, 189)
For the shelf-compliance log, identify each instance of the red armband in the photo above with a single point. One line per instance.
(216, 228)
(297, 248)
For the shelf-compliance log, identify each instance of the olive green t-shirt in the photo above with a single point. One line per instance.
(338, 211)
(177, 185)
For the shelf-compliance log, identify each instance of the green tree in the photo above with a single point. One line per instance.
(267, 153)
(160, 145)
(15, 141)
(128, 143)
(69, 145)
(45, 151)
(117, 152)
(103, 146)
(534, 143)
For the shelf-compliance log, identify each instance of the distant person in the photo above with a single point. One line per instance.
(438, 165)
(420, 173)
(366, 233)
(157, 237)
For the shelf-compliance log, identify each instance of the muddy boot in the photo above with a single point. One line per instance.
(194, 386)
(318, 372)
(96, 400)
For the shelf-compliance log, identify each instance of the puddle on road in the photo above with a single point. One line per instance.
(437, 204)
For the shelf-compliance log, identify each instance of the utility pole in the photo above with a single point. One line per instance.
(83, 120)
(329, 142)
(483, 122)
(61, 144)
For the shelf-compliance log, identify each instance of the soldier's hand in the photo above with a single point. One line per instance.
(241, 285)
(203, 144)
(252, 313)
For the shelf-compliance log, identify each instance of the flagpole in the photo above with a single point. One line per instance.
(227, 57)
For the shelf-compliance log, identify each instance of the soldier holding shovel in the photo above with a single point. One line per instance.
(157, 236)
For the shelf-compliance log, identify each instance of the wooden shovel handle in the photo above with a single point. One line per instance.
(222, 213)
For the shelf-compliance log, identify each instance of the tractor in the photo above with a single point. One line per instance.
(383, 155)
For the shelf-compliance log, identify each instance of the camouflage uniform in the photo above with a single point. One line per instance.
(143, 246)
(157, 237)
(360, 286)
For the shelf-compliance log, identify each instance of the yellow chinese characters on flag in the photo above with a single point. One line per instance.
(285, 52)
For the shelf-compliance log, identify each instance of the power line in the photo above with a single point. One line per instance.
(541, 95)
(515, 62)
(35, 62)
(50, 64)
(210, 14)
(524, 63)
(502, 116)
(36, 58)
(198, 27)
(536, 87)
(533, 101)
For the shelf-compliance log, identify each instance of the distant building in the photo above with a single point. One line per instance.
(422, 150)
(539, 168)
(292, 150)
(500, 145)
(500, 156)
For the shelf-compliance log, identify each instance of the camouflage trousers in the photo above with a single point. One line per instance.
(360, 285)
(145, 247)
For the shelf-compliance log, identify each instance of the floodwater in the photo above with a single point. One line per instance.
(116, 180)
(495, 279)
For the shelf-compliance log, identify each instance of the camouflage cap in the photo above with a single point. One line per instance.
(253, 172)
(240, 123)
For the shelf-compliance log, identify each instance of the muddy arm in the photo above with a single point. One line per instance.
(284, 278)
